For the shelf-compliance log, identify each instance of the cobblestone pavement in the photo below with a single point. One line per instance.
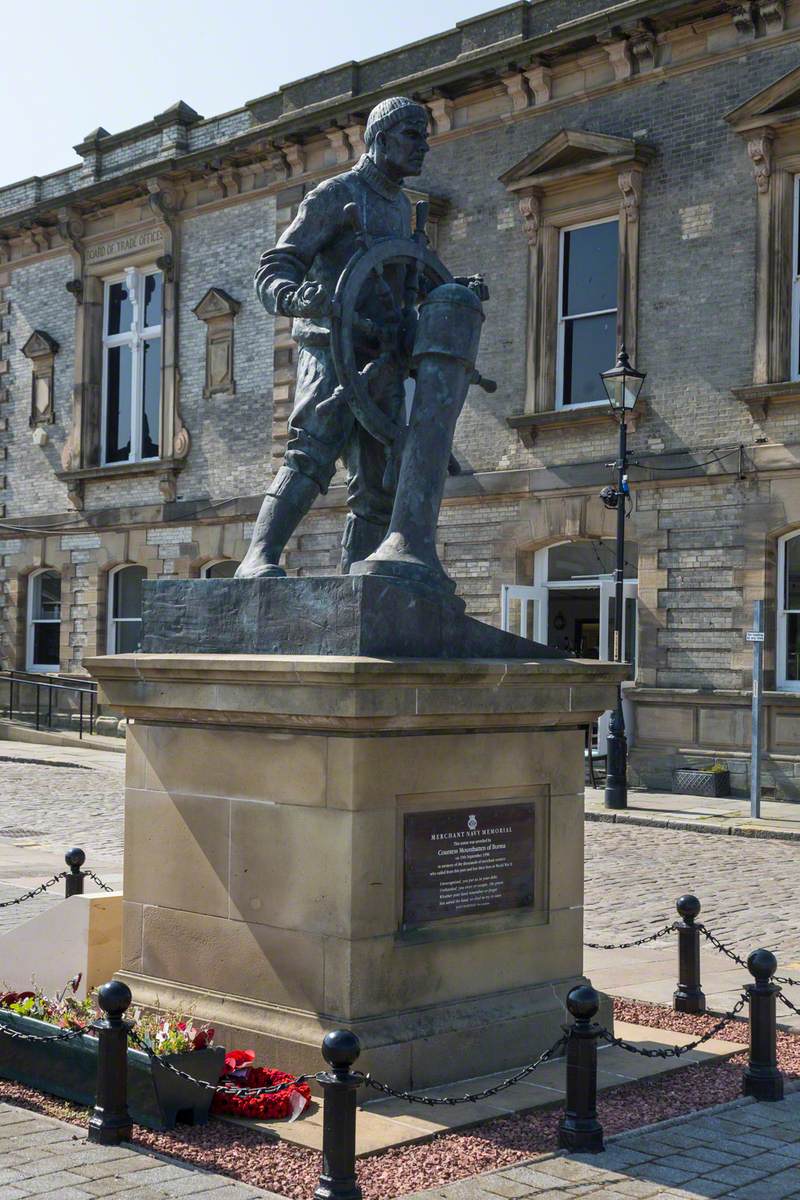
(47, 808)
(40, 1157)
(748, 888)
(745, 1150)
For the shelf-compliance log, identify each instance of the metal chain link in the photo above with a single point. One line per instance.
(97, 880)
(65, 1035)
(784, 1000)
(676, 1051)
(731, 954)
(639, 942)
(228, 1088)
(416, 1098)
(37, 891)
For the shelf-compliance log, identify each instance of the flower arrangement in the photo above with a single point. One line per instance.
(63, 1009)
(239, 1071)
(170, 1033)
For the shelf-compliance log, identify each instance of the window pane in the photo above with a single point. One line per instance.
(576, 560)
(128, 638)
(128, 592)
(45, 644)
(118, 404)
(151, 397)
(793, 646)
(47, 597)
(590, 346)
(590, 268)
(222, 570)
(153, 289)
(120, 309)
(792, 592)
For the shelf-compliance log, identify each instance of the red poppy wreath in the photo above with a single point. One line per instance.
(239, 1072)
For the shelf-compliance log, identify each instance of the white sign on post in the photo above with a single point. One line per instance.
(752, 635)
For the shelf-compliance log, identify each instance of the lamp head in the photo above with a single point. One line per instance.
(623, 383)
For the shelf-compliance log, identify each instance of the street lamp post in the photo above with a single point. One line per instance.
(622, 384)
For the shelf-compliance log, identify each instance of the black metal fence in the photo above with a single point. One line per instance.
(579, 1128)
(46, 703)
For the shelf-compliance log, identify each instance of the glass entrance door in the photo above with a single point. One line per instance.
(571, 606)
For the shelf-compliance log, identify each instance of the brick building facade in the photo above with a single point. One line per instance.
(628, 173)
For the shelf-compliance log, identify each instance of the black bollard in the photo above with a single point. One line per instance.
(762, 1078)
(579, 1128)
(340, 1086)
(110, 1122)
(73, 883)
(688, 997)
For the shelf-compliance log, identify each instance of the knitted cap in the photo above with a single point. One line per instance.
(390, 112)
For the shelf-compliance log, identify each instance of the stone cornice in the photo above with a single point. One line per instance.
(357, 86)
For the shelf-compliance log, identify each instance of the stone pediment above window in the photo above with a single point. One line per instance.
(39, 344)
(579, 194)
(773, 106)
(573, 154)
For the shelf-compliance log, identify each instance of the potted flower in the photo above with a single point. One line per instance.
(714, 780)
(157, 1097)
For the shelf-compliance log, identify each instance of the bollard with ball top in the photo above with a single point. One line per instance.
(110, 1122)
(688, 996)
(762, 1078)
(579, 1128)
(73, 883)
(340, 1085)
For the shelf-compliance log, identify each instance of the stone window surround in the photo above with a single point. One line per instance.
(81, 456)
(40, 349)
(770, 125)
(574, 178)
(30, 621)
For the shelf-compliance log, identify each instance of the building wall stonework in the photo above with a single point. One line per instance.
(715, 481)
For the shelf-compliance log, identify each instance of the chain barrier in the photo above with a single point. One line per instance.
(66, 1035)
(37, 891)
(639, 942)
(96, 879)
(784, 1000)
(734, 957)
(416, 1098)
(228, 1088)
(676, 1051)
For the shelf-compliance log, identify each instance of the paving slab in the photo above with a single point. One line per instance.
(658, 1172)
(134, 1173)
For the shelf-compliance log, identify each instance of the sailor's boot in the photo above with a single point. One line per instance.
(359, 539)
(289, 498)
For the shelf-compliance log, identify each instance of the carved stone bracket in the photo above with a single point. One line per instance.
(163, 203)
(355, 136)
(630, 184)
(337, 140)
(441, 109)
(619, 55)
(295, 155)
(744, 18)
(643, 48)
(760, 150)
(773, 14)
(516, 86)
(75, 289)
(540, 82)
(530, 205)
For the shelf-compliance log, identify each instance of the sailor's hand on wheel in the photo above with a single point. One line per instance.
(308, 300)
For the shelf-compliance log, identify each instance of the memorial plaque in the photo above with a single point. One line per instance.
(461, 862)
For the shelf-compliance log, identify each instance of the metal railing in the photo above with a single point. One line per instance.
(44, 703)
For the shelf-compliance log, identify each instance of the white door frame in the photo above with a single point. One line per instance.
(538, 595)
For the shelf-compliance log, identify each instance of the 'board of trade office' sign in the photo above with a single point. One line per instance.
(462, 862)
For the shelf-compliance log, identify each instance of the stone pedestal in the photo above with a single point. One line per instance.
(267, 850)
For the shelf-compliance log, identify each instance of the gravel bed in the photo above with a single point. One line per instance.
(506, 1141)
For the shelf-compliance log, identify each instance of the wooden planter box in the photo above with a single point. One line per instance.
(701, 783)
(156, 1098)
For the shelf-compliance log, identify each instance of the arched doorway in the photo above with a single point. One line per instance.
(570, 604)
